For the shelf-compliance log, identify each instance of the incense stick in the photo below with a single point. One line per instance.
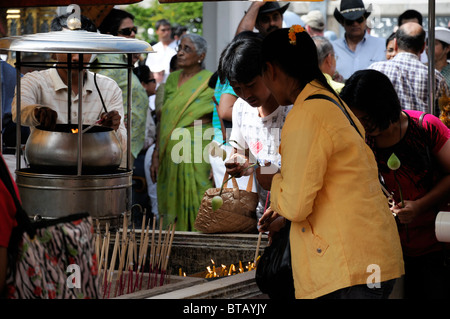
(100, 262)
(130, 264)
(145, 249)
(161, 255)
(260, 233)
(152, 253)
(257, 247)
(113, 262)
(156, 257)
(142, 250)
(121, 266)
(98, 240)
(166, 260)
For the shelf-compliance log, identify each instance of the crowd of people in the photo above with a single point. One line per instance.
(320, 115)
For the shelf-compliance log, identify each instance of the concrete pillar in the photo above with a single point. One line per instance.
(220, 21)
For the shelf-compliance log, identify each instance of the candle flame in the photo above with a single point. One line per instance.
(224, 270)
(74, 130)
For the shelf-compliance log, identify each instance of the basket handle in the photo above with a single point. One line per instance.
(236, 186)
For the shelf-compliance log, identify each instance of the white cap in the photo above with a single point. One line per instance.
(314, 19)
(442, 34)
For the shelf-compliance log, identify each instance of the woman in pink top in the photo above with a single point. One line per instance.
(423, 147)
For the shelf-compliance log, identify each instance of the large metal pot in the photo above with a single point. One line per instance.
(57, 149)
(55, 195)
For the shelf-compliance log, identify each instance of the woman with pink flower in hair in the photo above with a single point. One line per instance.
(343, 237)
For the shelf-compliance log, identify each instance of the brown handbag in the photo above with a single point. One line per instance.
(236, 215)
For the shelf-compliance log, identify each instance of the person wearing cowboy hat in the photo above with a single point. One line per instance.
(264, 16)
(442, 52)
(357, 49)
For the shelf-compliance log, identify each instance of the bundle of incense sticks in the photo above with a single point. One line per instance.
(128, 262)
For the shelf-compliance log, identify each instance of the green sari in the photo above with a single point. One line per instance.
(184, 170)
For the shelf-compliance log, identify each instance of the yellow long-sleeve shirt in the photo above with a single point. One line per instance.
(342, 229)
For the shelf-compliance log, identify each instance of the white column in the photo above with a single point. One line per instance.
(220, 21)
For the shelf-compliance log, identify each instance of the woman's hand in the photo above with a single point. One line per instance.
(272, 222)
(237, 166)
(408, 213)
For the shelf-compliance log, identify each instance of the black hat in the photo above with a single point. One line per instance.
(351, 10)
(272, 6)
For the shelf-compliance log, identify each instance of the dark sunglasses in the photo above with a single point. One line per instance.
(127, 31)
(350, 22)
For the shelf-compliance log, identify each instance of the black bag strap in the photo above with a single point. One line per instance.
(326, 97)
(343, 109)
(421, 119)
(424, 131)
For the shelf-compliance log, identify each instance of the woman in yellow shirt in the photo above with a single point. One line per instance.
(344, 240)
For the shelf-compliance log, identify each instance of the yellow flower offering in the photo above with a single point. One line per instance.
(293, 31)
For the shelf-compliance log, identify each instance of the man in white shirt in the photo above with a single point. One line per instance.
(159, 62)
(44, 96)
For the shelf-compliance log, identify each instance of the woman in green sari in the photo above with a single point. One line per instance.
(185, 130)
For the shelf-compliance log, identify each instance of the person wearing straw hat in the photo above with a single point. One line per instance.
(264, 16)
(357, 49)
(314, 23)
(442, 52)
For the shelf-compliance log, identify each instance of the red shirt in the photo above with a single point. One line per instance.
(417, 174)
(7, 212)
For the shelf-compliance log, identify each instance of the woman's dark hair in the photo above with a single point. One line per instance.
(111, 23)
(60, 22)
(390, 38)
(372, 92)
(142, 72)
(241, 60)
(173, 63)
(162, 22)
(298, 60)
(408, 15)
(213, 80)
